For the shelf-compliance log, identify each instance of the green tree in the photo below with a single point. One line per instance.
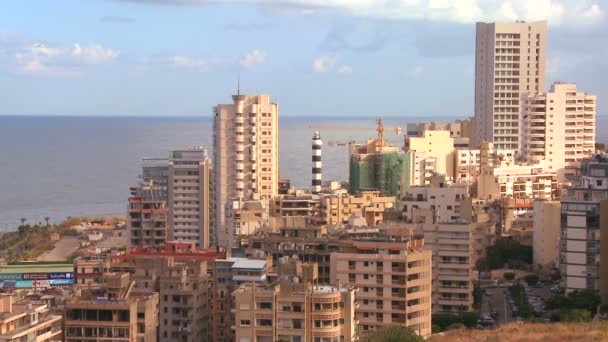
(394, 334)
(505, 251)
(23, 220)
(456, 326)
(531, 279)
(574, 315)
(47, 219)
(469, 319)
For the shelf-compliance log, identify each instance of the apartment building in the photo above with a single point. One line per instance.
(147, 221)
(434, 150)
(546, 233)
(461, 131)
(467, 162)
(295, 309)
(183, 276)
(230, 273)
(190, 204)
(89, 269)
(584, 215)
(439, 198)
(510, 60)
(22, 320)
(393, 279)
(245, 161)
(294, 203)
(155, 174)
(248, 217)
(337, 209)
(451, 244)
(112, 313)
(560, 127)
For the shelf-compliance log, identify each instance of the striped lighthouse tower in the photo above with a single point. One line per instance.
(316, 163)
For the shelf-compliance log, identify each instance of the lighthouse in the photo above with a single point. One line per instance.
(316, 163)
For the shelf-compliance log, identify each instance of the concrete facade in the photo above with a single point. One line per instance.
(393, 281)
(581, 228)
(245, 161)
(559, 127)
(338, 209)
(510, 60)
(295, 309)
(190, 204)
(546, 233)
(21, 321)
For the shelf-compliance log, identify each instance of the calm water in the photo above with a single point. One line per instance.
(71, 166)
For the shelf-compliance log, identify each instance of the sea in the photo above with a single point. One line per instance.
(60, 166)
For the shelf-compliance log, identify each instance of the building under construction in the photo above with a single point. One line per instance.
(377, 165)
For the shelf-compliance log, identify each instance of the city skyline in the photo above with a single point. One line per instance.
(179, 58)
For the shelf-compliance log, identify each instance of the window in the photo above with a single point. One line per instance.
(245, 322)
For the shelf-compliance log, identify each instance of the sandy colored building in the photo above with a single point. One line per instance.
(19, 321)
(560, 127)
(89, 269)
(393, 279)
(190, 205)
(295, 309)
(461, 131)
(337, 209)
(452, 246)
(500, 177)
(248, 217)
(546, 233)
(112, 313)
(245, 161)
(147, 221)
(510, 60)
(435, 152)
(441, 200)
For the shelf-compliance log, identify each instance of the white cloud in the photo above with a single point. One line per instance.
(464, 11)
(323, 64)
(253, 58)
(42, 60)
(345, 69)
(417, 70)
(193, 64)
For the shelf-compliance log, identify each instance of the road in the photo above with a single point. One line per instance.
(497, 300)
(64, 248)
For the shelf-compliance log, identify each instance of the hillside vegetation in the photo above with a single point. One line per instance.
(530, 332)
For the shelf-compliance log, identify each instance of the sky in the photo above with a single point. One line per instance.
(315, 57)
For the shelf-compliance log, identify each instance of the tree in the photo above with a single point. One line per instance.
(506, 250)
(456, 326)
(574, 315)
(531, 279)
(600, 147)
(47, 219)
(394, 334)
(23, 220)
(469, 319)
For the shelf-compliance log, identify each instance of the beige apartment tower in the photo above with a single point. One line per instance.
(510, 60)
(190, 209)
(560, 127)
(246, 163)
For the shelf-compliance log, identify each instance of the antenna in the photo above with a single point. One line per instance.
(238, 83)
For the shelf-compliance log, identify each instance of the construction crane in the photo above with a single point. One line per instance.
(380, 130)
(336, 127)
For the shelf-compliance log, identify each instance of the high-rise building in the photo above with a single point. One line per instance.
(510, 61)
(559, 127)
(147, 217)
(189, 197)
(393, 277)
(246, 163)
(295, 309)
(584, 215)
(546, 233)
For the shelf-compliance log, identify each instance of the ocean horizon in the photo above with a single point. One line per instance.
(64, 165)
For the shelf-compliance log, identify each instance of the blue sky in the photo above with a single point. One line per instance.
(316, 57)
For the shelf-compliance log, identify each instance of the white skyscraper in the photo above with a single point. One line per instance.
(510, 61)
(246, 163)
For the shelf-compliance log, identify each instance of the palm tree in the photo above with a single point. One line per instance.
(23, 220)
(47, 219)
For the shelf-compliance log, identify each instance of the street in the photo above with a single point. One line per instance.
(494, 298)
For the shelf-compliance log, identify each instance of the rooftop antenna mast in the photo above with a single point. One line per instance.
(238, 84)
